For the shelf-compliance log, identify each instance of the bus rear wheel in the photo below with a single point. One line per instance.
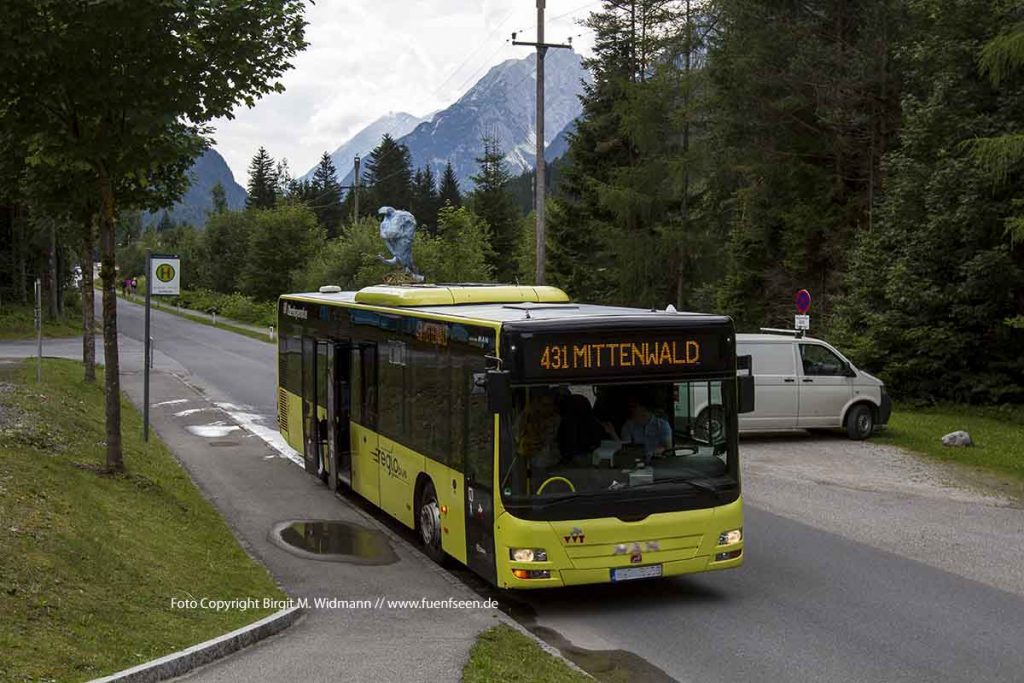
(429, 522)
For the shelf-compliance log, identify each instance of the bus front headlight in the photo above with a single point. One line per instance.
(730, 537)
(528, 554)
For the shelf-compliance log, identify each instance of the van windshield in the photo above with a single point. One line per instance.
(576, 439)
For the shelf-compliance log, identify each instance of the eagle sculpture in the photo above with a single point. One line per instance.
(397, 229)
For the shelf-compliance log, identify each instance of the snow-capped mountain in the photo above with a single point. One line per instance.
(502, 104)
(397, 124)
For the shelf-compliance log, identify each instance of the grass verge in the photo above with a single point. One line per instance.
(504, 654)
(998, 435)
(89, 562)
(18, 322)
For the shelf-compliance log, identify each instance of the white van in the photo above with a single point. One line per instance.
(803, 383)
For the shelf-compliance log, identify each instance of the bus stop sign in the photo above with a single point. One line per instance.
(803, 302)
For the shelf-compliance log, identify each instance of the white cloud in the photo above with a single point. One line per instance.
(369, 57)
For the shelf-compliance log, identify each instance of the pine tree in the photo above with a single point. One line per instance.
(219, 198)
(262, 187)
(449, 193)
(425, 200)
(387, 179)
(285, 181)
(492, 201)
(325, 196)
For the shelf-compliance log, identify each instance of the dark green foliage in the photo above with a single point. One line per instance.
(262, 186)
(425, 199)
(492, 202)
(933, 285)
(449, 193)
(220, 200)
(282, 241)
(324, 196)
(225, 245)
(387, 178)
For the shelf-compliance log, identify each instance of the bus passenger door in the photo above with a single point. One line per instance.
(310, 424)
(479, 479)
(339, 416)
(364, 472)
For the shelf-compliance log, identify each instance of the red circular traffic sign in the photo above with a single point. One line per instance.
(803, 301)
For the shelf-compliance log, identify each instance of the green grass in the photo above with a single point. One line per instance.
(89, 562)
(504, 654)
(18, 322)
(998, 435)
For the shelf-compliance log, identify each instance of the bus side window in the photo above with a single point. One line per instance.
(479, 432)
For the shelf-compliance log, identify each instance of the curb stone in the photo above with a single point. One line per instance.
(184, 661)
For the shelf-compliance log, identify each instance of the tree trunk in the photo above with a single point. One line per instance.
(54, 307)
(108, 273)
(88, 303)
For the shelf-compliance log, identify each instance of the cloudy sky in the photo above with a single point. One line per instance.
(370, 57)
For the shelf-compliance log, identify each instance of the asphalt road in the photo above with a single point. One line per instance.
(848, 576)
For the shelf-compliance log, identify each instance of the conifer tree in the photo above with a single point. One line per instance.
(387, 179)
(219, 198)
(449, 193)
(325, 196)
(425, 200)
(262, 187)
(492, 201)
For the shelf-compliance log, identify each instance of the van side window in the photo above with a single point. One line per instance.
(819, 361)
(770, 359)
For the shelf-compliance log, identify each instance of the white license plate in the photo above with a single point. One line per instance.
(630, 573)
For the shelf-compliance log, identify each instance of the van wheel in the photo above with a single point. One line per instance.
(860, 422)
(428, 522)
(710, 426)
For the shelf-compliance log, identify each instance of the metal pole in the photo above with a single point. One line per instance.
(539, 165)
(355, 191)
(39, 329)
(145, 357)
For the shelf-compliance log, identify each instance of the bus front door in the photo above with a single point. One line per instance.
(339, 415)
(310, 423)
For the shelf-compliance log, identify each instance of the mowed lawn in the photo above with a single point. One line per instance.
(90, 562)
(998, 435)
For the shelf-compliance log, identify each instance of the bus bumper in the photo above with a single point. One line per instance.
(609, 550)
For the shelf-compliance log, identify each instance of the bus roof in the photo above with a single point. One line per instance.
(484, 303)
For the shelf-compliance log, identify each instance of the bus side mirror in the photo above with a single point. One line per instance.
(745, 384)
(499, 392)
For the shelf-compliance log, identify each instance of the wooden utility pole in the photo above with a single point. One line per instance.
(539, 169)
(355, 190)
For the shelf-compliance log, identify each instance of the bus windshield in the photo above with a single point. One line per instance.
(571, 440)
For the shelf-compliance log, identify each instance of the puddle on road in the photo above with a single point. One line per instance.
(333, 541)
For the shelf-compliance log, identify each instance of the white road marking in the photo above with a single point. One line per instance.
(170, 403)
(253, 422)
(189, 411)
(212, 431)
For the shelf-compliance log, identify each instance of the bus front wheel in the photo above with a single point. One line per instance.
(429, 523)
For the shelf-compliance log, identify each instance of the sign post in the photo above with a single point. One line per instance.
(802, 321)
(163, 277)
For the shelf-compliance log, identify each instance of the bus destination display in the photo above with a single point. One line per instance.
(621, 354)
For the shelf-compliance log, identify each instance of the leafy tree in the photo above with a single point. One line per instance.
(932, 287)
(448, 191)
(325, 196)
(281, 241)
(224, 250)
(425, 200)
(124, 92)
(461, 250)
(492, 202)
(387, 178)
(263, 187)
(352, 262)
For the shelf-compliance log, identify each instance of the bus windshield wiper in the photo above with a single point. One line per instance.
(695, 483)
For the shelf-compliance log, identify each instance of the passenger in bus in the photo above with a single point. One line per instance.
(537, 435)
(579, 432)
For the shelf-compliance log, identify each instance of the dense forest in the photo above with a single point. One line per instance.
(730, 152)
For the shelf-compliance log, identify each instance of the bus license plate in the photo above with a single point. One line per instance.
(630, 573)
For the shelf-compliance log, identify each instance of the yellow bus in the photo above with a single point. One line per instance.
(537, 441)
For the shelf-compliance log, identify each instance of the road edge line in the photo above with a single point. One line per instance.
(191, 658)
